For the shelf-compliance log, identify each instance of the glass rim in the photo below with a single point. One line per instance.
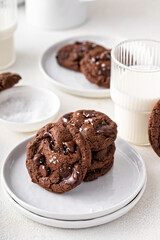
(128, 67)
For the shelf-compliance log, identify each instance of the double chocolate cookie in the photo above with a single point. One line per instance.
(154, 128)
(96, 66)
(80, 146)
(8, 80)
(96, 127)
(58, 157)
(70, 55)
(100, 132)
(102, 157)
(98, 172)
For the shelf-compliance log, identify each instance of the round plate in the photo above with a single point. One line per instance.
(71, 81)
(77, 224)
(27, 108)
(89, 200)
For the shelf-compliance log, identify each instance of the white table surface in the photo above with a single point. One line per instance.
(122, 18)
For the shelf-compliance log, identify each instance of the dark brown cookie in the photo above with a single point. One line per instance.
(92, 175)
(102, 157)
(96, 127)
(58, 157)
(154, 128)
(8, 80)
(96, 66)
(70, 55)
(100, 132)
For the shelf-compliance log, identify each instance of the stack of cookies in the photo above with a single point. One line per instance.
(93, 60)
(79, 147)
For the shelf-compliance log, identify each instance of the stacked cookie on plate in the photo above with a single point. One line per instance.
(79, 147)
(93, 60)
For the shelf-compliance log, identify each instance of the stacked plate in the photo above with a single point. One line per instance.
(91, 204)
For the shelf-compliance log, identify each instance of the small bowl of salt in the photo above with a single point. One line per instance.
(27, 108)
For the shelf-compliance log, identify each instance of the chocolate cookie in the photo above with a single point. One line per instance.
(96, 127)
(92, 175)
(70, 55)
(8, 80)
(102, 157)
(96, 66)
(58, 157)
(154, 128)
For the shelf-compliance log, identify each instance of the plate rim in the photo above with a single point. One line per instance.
(91, 222)
(83, 93)
(71, 216)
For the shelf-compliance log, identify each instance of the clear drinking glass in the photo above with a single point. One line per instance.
(8, 23)
(135, 87)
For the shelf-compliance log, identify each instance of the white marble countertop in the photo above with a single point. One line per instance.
(119, 18)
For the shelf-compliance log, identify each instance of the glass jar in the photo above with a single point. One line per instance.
(135, 87)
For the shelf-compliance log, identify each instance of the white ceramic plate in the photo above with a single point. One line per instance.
(27, 108)
(71, 81)
(89, 200)
(77, 224)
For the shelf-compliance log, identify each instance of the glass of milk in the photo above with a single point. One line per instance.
(135, 87)
(8, 23)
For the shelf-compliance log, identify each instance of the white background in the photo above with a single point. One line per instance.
(119, 18)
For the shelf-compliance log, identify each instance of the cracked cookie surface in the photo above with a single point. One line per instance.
(58, 157)
(96, 127)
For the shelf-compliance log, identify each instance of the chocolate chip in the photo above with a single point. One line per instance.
(105, 56)
(106, 130)
(104, 72)
(52, 146)
(39, 159)
(88, 113)
(50, 138)
(65, 171)
(69, 146)
(44, 170)
(74, 178)
(66, 117)
(78, 43)
(47, 135)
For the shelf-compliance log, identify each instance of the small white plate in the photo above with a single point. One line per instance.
(71, 81)
(27, 108)
(77, 224)
(89, 200)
